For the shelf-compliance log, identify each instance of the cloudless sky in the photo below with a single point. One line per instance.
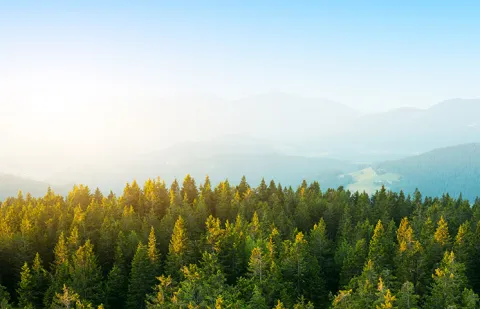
(64, 57)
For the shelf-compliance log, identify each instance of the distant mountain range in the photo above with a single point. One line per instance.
(403, 131)
(296, 138)
(10, 185)
(452, 170)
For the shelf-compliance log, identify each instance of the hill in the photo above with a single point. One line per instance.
(410, 130)
(10, 185)
(454, 170)
(219, 159)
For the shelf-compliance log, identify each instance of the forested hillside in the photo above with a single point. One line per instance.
(223, 246)
(455, 170)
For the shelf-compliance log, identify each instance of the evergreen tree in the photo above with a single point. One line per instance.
(116, 285)
(61, 270)
(26, 287)
(85, 274)
(449, 286)
(381, 247)
(257, 301)
(406, 297)
(408, 253)
(153, 254)
(163, 296)
(40, 282)
(4, 298)
(142, 278)
(178, 250)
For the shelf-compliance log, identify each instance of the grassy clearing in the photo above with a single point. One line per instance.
(369, 180)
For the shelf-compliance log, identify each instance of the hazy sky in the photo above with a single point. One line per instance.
(60, 58)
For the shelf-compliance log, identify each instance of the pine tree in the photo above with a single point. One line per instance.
(258, 300)
(68, 299)
(385, 298)
(163, 295)
(449, 286)
(257, 266)
(26, 287)
(381, 247)
(189, 189)
(61, 270)
(178, 250)
(408, 253)
(201, 285)
(4, 298)
(85, 274)
(153, 254)
(441, 235)
(142, 278)
(303, 304)
(116, 285)
(406, 297)
(40, 282)
(279, 305)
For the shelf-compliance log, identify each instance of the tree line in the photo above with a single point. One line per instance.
(238, 246)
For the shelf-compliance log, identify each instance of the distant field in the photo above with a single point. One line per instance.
(369, 180)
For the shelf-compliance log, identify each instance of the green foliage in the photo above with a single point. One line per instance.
(85, 274)
(238, 247)
(142, 278)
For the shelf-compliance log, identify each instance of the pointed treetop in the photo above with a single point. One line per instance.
(441, 235)
(152, 246)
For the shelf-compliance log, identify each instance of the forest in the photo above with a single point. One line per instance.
(189, 245)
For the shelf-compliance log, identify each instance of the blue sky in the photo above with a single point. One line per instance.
(370, 55)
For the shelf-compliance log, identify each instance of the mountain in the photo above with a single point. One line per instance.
(10, 185)
(454, 170)
(408, 131)
(229, 157)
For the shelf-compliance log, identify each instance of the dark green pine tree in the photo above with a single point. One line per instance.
(381, 247)
(86, 275)
(60, 269)
(258, 300)
(116, 285)
(448, 289)
(142, 278)
(25, 287)
(201, 285)
(162, 297)
(406, 297)
(40, 279)
(4, 298)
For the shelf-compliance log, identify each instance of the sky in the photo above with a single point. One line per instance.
(66, 65)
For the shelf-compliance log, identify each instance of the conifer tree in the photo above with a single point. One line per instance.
(4, 298)
(408, 253)
(279, 305)
(406, 297)
(85, 274)
(381, 247)
(60, 268)
(258, 300)
(40, 282)
(116, 284)
(153, 255)
(303, 304)
(26, 287)
(449, 286)
(163, 295)
(142, 278)
(68, 299)
(178, 250)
